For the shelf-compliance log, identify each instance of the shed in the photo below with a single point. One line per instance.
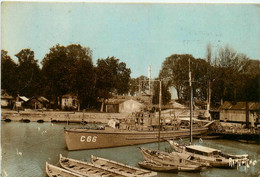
(122, 105)
(237, 112)
(129, 106)
(38, 102)
(112, 105)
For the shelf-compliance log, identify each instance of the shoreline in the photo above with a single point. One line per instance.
(59, 116)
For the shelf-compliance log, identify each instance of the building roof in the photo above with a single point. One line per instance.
(240, 106)
(5, 95)
(24, 98)
(69, 95)
(43, 99)
(40, 99)
(115, 101)
(119, 101)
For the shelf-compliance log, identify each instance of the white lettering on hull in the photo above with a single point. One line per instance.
(88, 139)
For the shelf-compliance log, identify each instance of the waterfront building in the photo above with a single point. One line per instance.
(6, 99)
(237, 113)
(38, 102)
(123, 105)
(69, 102)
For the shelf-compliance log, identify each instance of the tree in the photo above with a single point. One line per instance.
(199, 74)
(228, 80)
(166, 95)
(9, 75)
(141, 83)
(69, 70)
(133, 86)
(250, 79)
(175, 73)
(113, 77)
(29, 77)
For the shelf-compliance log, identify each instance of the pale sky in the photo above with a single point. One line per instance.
(139, 34)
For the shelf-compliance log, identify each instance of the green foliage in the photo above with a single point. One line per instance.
(166, 95)
(199, 69)
(112, 77)
(133, 86)
(175, 73)
(29, 76)
(69, 70)
(232, 75)
(9, 75)
(135, 83)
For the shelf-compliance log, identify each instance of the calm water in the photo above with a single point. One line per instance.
(27, 146)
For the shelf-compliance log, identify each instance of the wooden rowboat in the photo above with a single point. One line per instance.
(158, 167)
(121, 168)
(169, 159)
(167, 168)
(85, 169)
(52, 171)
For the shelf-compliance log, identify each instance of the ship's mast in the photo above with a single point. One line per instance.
(160, 101)
(191, 105)
(149, 77)
(160, 109)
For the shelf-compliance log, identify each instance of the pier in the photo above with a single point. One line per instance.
(59, 116)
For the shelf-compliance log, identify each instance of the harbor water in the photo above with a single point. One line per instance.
(27, 146)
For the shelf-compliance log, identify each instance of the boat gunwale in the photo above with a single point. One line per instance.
(172, 168)
(127, 132)
(47, 166)
(144, 172)
(91, 165)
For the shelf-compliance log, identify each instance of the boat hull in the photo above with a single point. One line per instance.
(218, 161)
(129, 171)
(80, 139)
(158, 167)
(169, 161)
(168, 168)
(52, 171)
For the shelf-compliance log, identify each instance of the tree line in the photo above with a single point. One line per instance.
(70, 69)
(231, 76)
(65, 69)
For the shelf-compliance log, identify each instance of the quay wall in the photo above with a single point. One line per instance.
(60, 116)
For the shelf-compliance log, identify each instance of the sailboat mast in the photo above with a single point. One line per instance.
(160, 103)
(160, 109)
(149, 77)
(190, 84)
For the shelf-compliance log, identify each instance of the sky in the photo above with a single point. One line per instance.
(139, 34)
